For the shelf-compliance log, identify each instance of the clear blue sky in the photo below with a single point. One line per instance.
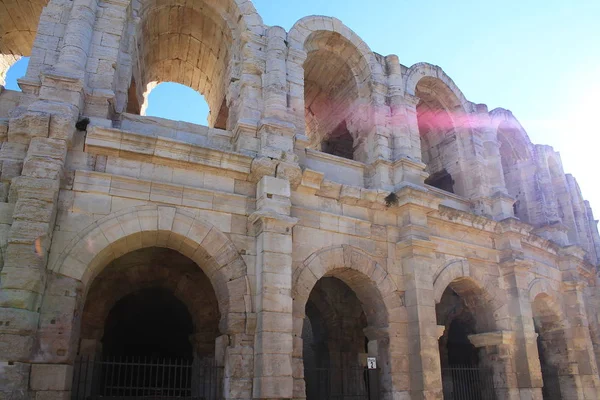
(540, 59)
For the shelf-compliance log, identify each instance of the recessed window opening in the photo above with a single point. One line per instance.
(183, 66)
(177, 102)
(331, 93)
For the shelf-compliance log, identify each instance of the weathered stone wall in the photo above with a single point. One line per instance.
(259, 214)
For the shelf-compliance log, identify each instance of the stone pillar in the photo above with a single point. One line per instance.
(245, 95)
(496, 203)
(45, 130)
(273, 346)
(497, 351)
(275, 131)
(519, 318)
(405, 127)
(77, 38)
(415, 252)
(578, 334)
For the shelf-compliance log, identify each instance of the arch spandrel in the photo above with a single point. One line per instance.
(160, 226)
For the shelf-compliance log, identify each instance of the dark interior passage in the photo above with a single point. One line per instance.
(150, 322)
(334, 343)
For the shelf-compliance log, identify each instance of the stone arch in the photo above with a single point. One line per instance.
(160, 226)
(516, 152)
(325, 54)
(540, 290)
(305, 27)
(466, 281)
(444, 128)
(152, 269)
(425, 70)
(382, 303)
(198, 44)
(509, 130)
(369, 280)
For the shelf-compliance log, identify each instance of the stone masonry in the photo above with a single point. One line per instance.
(338, 205)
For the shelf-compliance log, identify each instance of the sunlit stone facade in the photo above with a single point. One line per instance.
(338, 206)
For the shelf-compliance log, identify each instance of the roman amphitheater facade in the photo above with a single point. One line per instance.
(338, 206)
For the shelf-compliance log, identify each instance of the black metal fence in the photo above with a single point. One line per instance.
(350, 383)
(468, 383)
(139, 377)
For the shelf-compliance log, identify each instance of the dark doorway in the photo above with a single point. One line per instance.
(463, 376)
(339, 143)
(334, 345)
(150, 322)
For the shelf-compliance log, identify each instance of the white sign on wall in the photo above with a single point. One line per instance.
(371, 363)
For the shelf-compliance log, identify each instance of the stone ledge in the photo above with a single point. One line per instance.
(161, 150)
(492, 338)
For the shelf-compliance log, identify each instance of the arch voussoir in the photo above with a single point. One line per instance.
(160, 226)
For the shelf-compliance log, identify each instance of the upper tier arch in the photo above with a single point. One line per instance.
(422, 70)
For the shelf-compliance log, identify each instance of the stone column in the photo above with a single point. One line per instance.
(519, 318)
(276, 132)
(416, 254)
(497, 351)
(45, 130)
(496, 203)
(245, 95)
(578, 335)
(273, 346)
(405, 126)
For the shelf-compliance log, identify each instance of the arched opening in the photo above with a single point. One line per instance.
(176, 102)
(189, 43)
(464, 311)
(15, 68)
(437, 111)
(514, 151)
(149, 327)
(19, 21)
(331, 95)
(552, 349)
(334, 343)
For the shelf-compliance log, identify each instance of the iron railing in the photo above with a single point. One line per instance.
(115, 378)
(468, 383)
(349, 383)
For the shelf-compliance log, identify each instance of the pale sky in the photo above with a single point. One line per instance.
(539, 59)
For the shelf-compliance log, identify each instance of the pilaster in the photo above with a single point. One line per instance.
(416, 254)
(273, 346)
(515, 271)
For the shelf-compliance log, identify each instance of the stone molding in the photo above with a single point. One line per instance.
(492, 338)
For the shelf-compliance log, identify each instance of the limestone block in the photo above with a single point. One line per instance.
(269, 185)
(15, 347)
(28, 125)
(92, 203)
(6, 213)
(14, 377)
(30, 279)
(51, 377)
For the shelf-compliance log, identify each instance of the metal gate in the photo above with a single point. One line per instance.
(468, 383)
(140, 378)
(350, 383)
